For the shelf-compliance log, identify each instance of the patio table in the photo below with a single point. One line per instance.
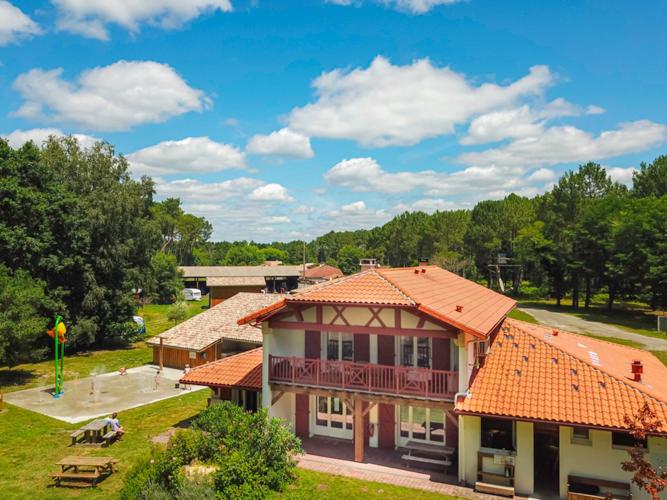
(94, 431)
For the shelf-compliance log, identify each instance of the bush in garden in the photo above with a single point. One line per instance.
(253, 454)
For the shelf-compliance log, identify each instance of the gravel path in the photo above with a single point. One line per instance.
(574, 324)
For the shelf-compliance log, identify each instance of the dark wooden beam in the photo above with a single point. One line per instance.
(373, 330)
(276, 397)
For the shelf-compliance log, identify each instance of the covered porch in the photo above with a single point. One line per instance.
(336, 456)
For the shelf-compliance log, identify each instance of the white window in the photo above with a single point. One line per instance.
(340, 346)
(580, 435)
(422, 424)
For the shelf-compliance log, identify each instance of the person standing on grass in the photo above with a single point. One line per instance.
(115, 425)
(186, 370)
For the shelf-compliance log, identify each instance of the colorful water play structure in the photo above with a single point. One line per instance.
(57, 333)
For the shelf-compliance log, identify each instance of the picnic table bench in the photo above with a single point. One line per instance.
(94, 433)
(83, 468)
(428, 454)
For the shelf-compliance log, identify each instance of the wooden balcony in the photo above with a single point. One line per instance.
(364, 377)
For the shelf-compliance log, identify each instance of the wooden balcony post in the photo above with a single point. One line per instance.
(358, 425)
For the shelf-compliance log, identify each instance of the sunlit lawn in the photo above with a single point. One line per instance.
(523, 316)
(98, 360)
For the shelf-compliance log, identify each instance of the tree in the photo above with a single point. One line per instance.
(166, 283)
(24, 318)
(243, 254)
(648, 477)
(348, 259)
(178, 311)
(273, 253)
(651, 179)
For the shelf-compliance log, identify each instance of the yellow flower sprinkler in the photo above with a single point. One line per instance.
(57, 333)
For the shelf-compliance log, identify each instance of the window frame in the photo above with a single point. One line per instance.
(498, 420)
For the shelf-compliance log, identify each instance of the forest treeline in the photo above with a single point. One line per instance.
(587, 235)
(79, 237)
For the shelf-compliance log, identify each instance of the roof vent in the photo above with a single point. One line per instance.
(459, 309)
(554, 333)
(637, 370)
(525, 358)
(515, 345)
(416, 271)
(554, 361)
(532, 346)
(517, 372)
(423, 270)
(573, 371)
(575, 387)
(603, 385)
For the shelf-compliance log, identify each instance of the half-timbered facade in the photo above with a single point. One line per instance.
(377, 357)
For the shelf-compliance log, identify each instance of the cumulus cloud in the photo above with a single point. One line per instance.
(14, 24)
(193, 191)
(108, 98)
(189, 155)
(385, 105)
(356, 215)
(18, 138)
(523, 121)
(270, 192)
(567, 144)
(411, 6)
(283, 143)
(621, 174)
(366, 175)
(91, 18)
(279, 219)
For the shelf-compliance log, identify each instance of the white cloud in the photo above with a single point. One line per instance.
(202, 193)
(411, 6)
(620, 174)
(109, 98)
(91, 17)
(270, 192)
(303, 210)
(567, 144)
(523, 121)
(279, 219)
(192, 154)
(428, 205)
(14, 24)
(366, 175)
(385, 105)
(18, 138)
(284, 143)
(353, 215)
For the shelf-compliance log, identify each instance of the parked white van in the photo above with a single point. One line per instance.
(191, 294)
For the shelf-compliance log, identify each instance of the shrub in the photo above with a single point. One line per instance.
(178, 311)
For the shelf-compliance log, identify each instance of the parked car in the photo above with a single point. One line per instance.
(191, 294)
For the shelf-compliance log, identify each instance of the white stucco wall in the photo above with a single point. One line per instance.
(523, 472)
(601, 460)
(470, 438)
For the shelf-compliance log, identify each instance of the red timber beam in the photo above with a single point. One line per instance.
(371, 330)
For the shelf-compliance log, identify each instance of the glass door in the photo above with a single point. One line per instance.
(332, 417)
(421, 424)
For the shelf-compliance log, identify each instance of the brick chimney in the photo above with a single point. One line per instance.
(423, 262)
(366, 264)
(637, 370)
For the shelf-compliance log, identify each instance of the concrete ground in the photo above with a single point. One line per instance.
(102, 394)
(336, 456)
(571, 323)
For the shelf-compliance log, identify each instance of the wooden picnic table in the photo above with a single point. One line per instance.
(94, 432)
(428, 453)
(83, 468)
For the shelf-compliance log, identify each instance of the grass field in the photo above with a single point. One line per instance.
(31, 444)
(83, 364)
(523, 316)
(632, 317)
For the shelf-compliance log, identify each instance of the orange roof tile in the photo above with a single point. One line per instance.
(323, 271)
(367, 287)
(440, 293)
(241, 371)
(434, 291)
(531, 373)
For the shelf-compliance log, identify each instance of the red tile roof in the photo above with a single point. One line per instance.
(434, 291)
(323, 271)
(532, 374)
(440, 293)
(367, 287)
(240, 371)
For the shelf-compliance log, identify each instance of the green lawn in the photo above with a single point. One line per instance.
(31, 444)
(155, 315)
(633, 317)
(523, 316)
(82, 364)
(312, 484)
(661, 355)
(615, 340)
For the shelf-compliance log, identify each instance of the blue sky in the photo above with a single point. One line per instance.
(284, 119)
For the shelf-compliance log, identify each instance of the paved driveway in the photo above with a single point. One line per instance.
(571, 323)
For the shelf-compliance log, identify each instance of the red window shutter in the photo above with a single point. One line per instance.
(362, 348)
(385, 349)
(440, 355)
(312, 344)
(302, 414)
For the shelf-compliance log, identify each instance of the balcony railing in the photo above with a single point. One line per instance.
(366, 377)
